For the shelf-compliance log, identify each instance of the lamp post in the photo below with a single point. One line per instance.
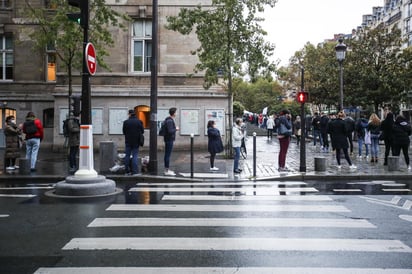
(302, 166)
(340, 55)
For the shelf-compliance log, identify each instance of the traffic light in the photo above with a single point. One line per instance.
(75, 103)
(302, 97)
(82, 17)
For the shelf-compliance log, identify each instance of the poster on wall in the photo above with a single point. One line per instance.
(217, 115)
(189, 121)
(97, 119)
(116, 118)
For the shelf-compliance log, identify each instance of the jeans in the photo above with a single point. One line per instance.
(316, 133)
(361, 141)
(134, 151)
(168, 152)
(32, 149)
(72, 156)
(284, 145)
(236, 159)
(374, 145)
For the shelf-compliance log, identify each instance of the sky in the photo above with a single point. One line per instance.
(293, 23)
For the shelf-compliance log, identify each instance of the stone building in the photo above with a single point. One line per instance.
(31, 81)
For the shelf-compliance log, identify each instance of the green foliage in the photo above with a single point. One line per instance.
(230, 37)
(238, 109)
(55, 30)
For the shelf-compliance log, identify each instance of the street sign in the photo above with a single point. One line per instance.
(90, 55)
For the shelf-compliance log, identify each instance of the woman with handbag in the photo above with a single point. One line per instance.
(284, 133)
(214, 144)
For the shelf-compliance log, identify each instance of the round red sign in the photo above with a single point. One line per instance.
(90, 58)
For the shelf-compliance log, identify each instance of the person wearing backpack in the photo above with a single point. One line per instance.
(361, 128)
(33, 129)
(169, 139)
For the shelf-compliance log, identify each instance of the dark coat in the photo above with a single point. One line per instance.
(214, 144)
(400, 131)
(133, 130)
(171, 129)
(386, 127)
(338, 133)
(73, 126)
(12, 133)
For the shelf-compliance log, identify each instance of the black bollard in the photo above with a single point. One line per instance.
(191, 155)
(254, 154)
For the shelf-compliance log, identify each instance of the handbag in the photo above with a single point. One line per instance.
(381, 136)
(367, 137)
(283, 130)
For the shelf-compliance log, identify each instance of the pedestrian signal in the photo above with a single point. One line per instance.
(302, 97)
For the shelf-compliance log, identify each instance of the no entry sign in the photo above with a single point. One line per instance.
(90, 56)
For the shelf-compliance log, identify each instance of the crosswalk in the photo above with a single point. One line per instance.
(244, 227)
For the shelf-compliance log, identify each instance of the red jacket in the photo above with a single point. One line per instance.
(39, 133)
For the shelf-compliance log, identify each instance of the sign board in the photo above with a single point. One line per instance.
(90, 55)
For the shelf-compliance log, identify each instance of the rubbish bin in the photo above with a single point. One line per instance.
(107, 151)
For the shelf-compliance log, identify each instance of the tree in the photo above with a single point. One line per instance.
(231, 42)
(55, 31)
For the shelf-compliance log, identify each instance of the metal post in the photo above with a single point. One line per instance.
(153, 95)
(302, 166)
(191, 155)
(341, 84)
(254, 154)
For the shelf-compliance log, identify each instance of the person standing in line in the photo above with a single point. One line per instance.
(386, 127)
(350, 123)
(360, 128)
(12, 132)
(34, 131)
(169, 139)
(401, 131)
(237, 136)
(284, 139)
(214, 144)
(316, 129)
(324, 121)
(270, 124)
(339, 132)
(132, 131)
(297, 125)
(374, 127)
(73, 128)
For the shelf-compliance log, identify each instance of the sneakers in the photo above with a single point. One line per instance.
(16, 167)
(214, 168)
(339, 166)
(170, 173)
(409, 168)
(352, 167)
(237, 170)
(10, 168)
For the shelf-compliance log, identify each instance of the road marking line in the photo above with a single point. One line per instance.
(247, 198)
(17, 195)
(28, 187)
(238, 222)
(406, 217)
(259, 184)
(226, 208)
(296, 244)
(220, 270)
(396, 189)
(4, 215)
(347, 190)
(205, 175)
(407, 205)
(383, 202)
(223, 189)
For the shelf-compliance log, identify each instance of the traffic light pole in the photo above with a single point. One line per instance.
(302, 166)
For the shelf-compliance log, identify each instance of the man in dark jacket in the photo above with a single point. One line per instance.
(133, 131)
(401, 131)
(169, 139)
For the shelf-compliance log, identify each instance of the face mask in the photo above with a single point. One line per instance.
(13, 121)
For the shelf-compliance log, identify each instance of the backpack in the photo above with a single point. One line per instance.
(163, 128)
(30, 127)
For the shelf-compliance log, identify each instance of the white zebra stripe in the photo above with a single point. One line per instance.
(238, 222)
(316, 198)
(269, 244)
(264, 190)
(226, 208)
(257, 184)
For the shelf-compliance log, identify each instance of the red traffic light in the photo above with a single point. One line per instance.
(302, 97)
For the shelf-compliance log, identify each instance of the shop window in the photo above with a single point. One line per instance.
(143, 113)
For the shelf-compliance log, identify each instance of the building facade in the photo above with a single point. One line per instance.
(34, 81)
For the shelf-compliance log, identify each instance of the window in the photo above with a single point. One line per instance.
(51, 63)
(48, 117)
(5, 3)
(6, 57)
(141, 45)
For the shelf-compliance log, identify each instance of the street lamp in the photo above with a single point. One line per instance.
(340, 55)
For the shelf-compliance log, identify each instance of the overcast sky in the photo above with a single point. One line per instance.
(292, 23)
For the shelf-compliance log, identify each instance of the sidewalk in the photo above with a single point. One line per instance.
(55, 166)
